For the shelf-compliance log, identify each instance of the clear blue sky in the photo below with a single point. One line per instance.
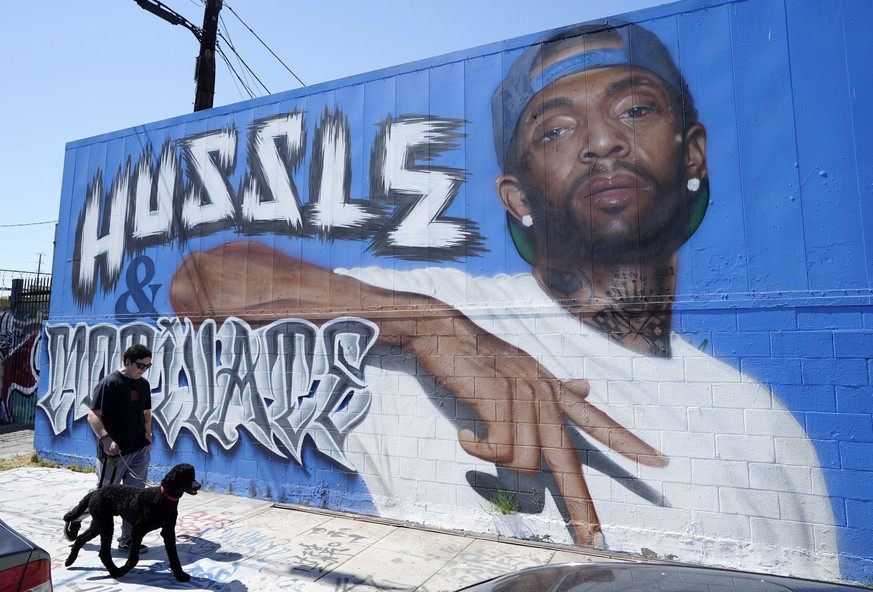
(78, 68)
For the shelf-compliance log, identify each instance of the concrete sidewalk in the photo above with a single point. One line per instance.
(238, 544)
(15, 439)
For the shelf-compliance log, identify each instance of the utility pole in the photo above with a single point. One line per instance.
(205, 70)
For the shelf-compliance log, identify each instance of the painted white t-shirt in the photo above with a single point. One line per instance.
(743, 487)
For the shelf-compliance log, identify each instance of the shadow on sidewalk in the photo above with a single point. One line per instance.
(9, 428)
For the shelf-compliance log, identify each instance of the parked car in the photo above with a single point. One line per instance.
(645, 577)
(24, 566)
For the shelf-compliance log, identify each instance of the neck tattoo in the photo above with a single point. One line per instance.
(633, 311)
(640, 331)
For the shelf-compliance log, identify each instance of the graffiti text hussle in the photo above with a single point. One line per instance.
(188, 191)
(281, 382)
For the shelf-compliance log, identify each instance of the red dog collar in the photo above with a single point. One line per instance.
(172, 499)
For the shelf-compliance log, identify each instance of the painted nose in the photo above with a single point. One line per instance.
(605, 139)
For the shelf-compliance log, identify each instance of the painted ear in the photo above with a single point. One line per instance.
(513, 197)
(695, 153)
(519, 216)
(696, 175)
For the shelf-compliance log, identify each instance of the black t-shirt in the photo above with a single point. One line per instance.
(122, 402)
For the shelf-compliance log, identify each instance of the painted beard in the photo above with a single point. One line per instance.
(564, 234)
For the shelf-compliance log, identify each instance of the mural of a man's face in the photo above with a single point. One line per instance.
(603, 163)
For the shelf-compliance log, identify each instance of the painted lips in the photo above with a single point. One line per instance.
(612, 193)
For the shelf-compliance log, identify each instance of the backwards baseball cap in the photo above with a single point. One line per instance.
(639, 48)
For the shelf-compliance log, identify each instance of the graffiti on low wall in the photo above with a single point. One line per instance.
(20, 334)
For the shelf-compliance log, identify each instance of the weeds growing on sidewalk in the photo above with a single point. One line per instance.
(33, 460)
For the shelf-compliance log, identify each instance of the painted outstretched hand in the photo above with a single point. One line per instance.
(525, 412)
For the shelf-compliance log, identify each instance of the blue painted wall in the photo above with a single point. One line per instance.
(775, 286)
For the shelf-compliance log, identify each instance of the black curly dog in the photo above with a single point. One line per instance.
(146, 509)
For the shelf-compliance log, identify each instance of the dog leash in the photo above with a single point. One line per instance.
(113, 462)
(135, 476)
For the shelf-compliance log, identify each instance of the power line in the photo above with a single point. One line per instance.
(234, 72)
(264, 44)
(240, 78)
(166, 13)
(28, 224)
(242, 61)
(5, 271)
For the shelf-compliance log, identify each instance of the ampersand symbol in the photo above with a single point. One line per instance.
(145, 306)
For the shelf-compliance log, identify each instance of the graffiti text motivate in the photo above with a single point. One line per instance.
(194, 187)
(281, 383)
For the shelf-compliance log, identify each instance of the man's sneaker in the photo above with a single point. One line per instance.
(71, 529)
(126, 547)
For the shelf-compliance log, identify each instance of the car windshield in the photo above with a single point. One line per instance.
(640, 580)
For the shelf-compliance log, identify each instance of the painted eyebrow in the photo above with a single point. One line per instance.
(613, 89)
(632, 82)
(548, 105)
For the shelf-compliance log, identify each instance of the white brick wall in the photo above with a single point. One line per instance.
(687, 394)
(748, 448)
(743, 395)
(697, 497)
(806, 508)
(735, 501)
(434, 449)
(762, 529)
(424, 427)
(420, 469)
(788, 452)
(736, 527)
(708, 420)
(693, 445)
(656, 416)
(825, 539)
(714, 472)
(769, 422)
(604, 368)
(701, 369)
(655, 370)
(782, 478)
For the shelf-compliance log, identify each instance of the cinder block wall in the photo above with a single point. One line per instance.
(746, 447)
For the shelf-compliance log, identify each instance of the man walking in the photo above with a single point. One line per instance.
(121, 418)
